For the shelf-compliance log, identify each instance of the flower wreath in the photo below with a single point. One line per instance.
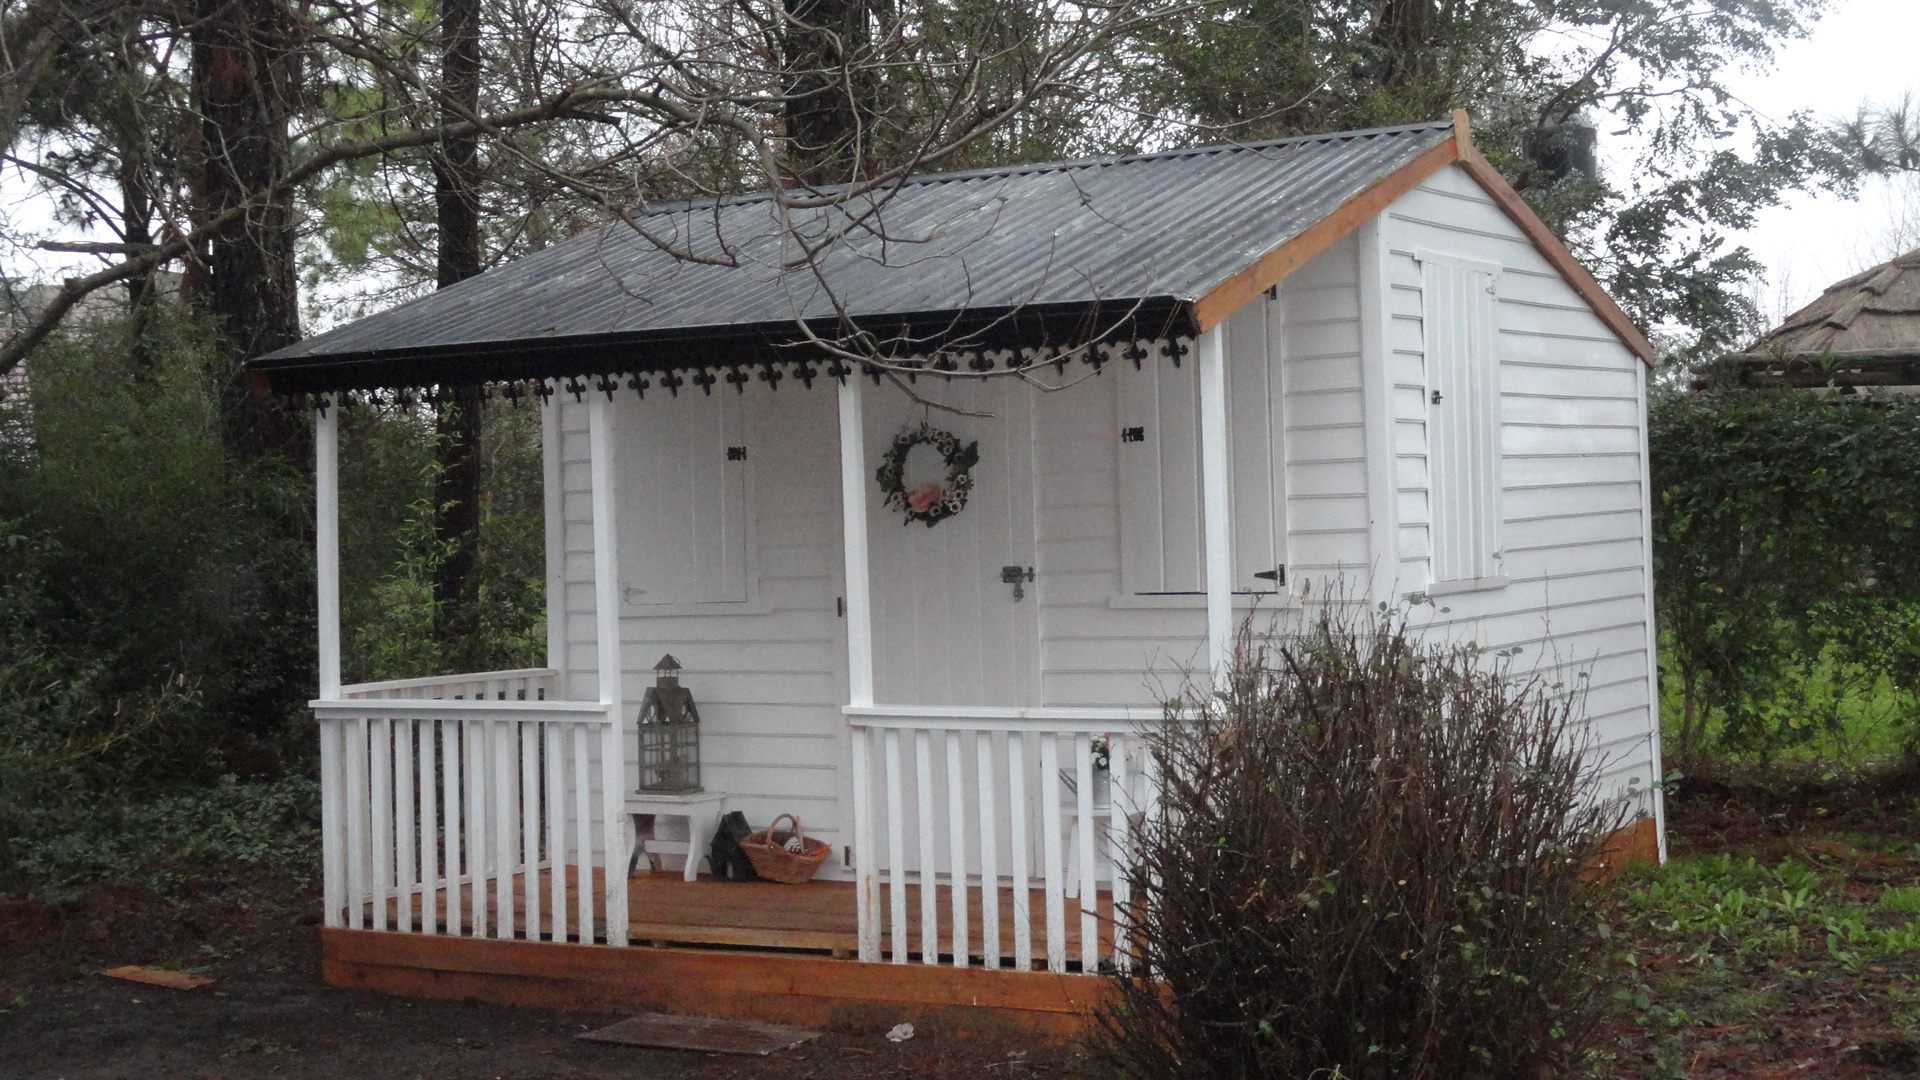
(935, 502)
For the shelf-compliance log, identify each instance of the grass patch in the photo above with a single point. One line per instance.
(1794, 940)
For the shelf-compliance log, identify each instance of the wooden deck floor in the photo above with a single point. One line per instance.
(818, 917)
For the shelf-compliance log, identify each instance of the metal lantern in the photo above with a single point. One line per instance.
(669, 733)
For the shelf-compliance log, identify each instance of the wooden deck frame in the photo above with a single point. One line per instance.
(763, 986)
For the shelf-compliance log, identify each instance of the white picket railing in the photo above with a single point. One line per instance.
(517, 684)
(995, 799)
(420, 798)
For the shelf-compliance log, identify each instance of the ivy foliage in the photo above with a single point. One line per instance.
(1786, 556)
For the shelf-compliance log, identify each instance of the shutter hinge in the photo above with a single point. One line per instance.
(1133, 434)
(839, 607)
(1436, 397)
(736, 453)
(1277, 575)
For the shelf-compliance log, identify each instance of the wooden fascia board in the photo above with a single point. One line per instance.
(1265, 272)
(1555, 252)
(1212, 309)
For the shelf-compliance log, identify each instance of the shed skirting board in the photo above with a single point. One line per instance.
(736, 985)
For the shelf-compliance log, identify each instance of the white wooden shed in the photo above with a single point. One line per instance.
(1356, 360)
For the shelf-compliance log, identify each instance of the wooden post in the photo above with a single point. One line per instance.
(1214, 486)
(853, 543)
(853, 527)
(606, 606)
(326, 544)
(553, 514)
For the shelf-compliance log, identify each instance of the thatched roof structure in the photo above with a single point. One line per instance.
(1862, 331)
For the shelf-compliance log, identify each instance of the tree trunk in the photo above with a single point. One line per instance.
(826, 139)
(243, 85)
(456, 174)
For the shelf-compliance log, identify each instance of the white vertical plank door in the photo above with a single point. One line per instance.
(605, 473)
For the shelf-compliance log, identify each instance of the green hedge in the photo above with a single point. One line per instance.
(1787, 565)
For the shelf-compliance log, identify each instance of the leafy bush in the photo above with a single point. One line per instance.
(1787, 566)
(1372, 864)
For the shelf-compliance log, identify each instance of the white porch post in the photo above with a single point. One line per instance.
(553, 515)
(326, 543)
(853, 530)
(1214, 487)
(606, 607)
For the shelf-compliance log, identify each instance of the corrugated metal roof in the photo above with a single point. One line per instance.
(1014, 256)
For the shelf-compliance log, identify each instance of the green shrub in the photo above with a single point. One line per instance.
(1787, 570)
(1371, 864)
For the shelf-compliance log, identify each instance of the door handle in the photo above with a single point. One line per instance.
(1017, 576)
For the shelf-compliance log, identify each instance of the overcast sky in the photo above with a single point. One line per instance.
(1864, 50)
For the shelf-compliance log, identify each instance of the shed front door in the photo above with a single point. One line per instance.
(947, 628)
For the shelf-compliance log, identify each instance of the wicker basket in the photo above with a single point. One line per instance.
(767, 850)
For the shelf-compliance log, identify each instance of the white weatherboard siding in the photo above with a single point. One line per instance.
(1573, 525)
(767, 672)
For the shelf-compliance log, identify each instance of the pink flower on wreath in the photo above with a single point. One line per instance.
(922, 499)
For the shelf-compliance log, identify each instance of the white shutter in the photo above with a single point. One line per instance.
(1463, 417)
(1161, 532)
(685, 468)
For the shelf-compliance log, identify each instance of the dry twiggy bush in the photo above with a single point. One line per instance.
(1370, 864)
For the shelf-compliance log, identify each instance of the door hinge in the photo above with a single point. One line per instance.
(736, 453)
(846, 856)
(839, 607)
(1133, 434)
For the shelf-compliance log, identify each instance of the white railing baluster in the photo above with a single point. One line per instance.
(1120, 845)
(990, 951)
(556, 833)
(530, 829)
(865, 858)
(582, 837)
(404, 834)
(429, 831)
(333, 846)
(613, 780)
(1050, 848)
(380, 747)
(896, 825)
(1088, 893)
(476, 785)
(957, 849)
(450, 753)
(1017, 743)
(929, 870)
(505, 814)
(357, 860)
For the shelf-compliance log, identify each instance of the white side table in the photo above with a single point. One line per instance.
(702, 809)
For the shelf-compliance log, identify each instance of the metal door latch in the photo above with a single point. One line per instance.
(1017, 576)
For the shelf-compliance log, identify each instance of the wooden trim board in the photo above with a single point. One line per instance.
(1267, 271)
(760, 986)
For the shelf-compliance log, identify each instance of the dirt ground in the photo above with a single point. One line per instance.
(271, 1016)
